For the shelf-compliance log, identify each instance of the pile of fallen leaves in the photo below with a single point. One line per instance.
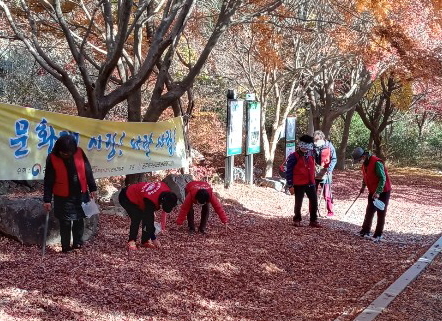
(261, 268)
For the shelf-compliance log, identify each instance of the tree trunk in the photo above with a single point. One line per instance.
(370, 142)
(311, 126)
(134, 106)
(340, 153)
(420, 123)
(134, 115)
(377, 145)
(327, 123)
(269, 165)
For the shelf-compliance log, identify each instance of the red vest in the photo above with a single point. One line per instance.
(370, 177)
(61, 185)
(193, 187)
(325, 156)
(304, 170)
(136, 193)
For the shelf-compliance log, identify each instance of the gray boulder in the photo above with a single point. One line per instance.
(197, 156)
(277, 184)
(106, 193)
(23, 219)
(7, 187)
(177, 183)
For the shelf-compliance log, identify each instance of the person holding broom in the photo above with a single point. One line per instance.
(325, 158)
(375, 177)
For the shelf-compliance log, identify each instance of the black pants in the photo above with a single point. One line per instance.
(204, 218)
(369, 214)
(77, 228)
(310, 191)
(137, 216)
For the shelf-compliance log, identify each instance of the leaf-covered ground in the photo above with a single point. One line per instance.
(262, 268)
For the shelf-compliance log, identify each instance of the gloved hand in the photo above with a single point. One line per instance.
(47, 206)
(362, 190)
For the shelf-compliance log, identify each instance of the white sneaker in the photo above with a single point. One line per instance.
(363, 235)
(377, 239)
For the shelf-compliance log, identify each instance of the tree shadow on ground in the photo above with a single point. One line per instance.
(262, 268)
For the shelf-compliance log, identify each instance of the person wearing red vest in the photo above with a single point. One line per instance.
(69, 177)
(300, 177)
(376, 179)
(325, 157)
(140, 201)
(199, 193)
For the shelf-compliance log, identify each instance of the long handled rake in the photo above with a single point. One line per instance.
(320, 199)
(45, 234)
(352, 204)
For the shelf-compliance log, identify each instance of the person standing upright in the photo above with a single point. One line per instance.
(69, 177)
(376, 179)
(325, 157)
(300, 177)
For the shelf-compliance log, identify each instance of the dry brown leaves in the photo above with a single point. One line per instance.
(422, 300)
(262, 269)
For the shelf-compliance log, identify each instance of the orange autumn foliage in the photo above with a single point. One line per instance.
(405, 35)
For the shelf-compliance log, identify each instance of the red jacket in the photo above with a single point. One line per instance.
(370, 177)
(61, 184)
(191, 189)
(136, 193)
(304, 170)
(325, 157)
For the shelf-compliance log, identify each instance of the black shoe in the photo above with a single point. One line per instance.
(315, 224)
(67, 250)
(192, 230)
(77, 246)
(202, 231)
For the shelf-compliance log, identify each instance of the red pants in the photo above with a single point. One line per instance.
(326, 192)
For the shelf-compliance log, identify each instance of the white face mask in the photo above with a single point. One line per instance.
(320, 142)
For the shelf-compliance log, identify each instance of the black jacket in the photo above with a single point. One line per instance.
(68, 208)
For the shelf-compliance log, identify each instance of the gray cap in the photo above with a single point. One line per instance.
(357, 153)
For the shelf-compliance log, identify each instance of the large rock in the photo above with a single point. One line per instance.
(7, 187)
(177, 183)
(106, 193)
(197, 157)
(277, 184)
(23, 219)
(115, 208)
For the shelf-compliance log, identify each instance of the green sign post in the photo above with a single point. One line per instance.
(253, 139)
(253, 143)
(290, 135)
(235, 112)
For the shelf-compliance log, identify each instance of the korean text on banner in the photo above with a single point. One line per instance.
(28, 135)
